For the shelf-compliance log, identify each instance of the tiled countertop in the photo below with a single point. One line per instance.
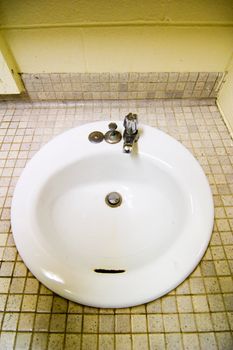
(196, 315)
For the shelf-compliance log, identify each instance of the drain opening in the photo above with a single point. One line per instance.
(113, 199)
(108, 271)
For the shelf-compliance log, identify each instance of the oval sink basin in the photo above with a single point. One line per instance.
(109, 229)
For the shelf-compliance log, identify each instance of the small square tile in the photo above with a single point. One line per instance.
(187, 323)
(10, 321)
(90, 323)
(26, 322)
(23, 341)
(29, 302)
(173, 341)
(157, 341)
(56, 341)
(7, 340)
(58, 323)
(219, 320)
(106, 342)
(74, 323)
(171, 323)
(155, 323)
(200, 303)
(44, 303)
(42, 322)
(73, 342)
(224, 340)
(138, 323)
(60, 305)
(14, 302)
(169, 304)
(204, 323)
(207, 341)
(89, 341)
(106, 324)
(122, 324)
(39, 341)
(123, 342)
(184, 303)
(140, 342)
(216, 302)
(190, 341)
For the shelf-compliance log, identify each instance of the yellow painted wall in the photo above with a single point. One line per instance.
(225, 98)
(28, 12)
(118, 35)
(10, 82)
(122, 49)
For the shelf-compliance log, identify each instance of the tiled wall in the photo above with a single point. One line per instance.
(104, 86)
(198, 314)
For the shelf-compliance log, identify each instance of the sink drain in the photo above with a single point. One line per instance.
(113, 199)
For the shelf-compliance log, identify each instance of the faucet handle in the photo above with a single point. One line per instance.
(130, 123)
(112, 126)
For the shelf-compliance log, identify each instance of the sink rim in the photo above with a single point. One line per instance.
(71, 141)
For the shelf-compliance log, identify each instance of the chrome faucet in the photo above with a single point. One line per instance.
(130, 135)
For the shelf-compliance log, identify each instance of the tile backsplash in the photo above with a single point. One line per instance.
(112, 86)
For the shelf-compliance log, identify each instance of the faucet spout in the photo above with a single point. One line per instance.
(130, 135)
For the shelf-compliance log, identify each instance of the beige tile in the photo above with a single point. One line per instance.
(216, 302)
(90, 324)
(204, 323)
(187, 322)
(138, 323)
(173, 341)
(73, 342)
(169, 304)
(220, 321)
(190, 341)
(7, 340)
(29, 302)
(31, 286)
(171, 323)
(23, 341)
(44, 303)
(226, 284)
(4, 284)
(106, 342)
(14, 302)
(200, 303)
(122, 324)
(56, 341)
(89, 341)
(39, 341)
(42, 322)
(155, 323)
(106, 324)
(26, 322)
(154, 306)
(123, 342)
(74, 323)
(58, 323)
(10, 321)
(224, 340)
(157, 341)
(207, 341)
(60, 305)
(184, 303)
(140, 342)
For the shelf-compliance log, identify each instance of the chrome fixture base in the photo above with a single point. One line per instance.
(112, 136)
(96, 137)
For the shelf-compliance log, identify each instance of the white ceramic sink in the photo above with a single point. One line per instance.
(88, 252)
